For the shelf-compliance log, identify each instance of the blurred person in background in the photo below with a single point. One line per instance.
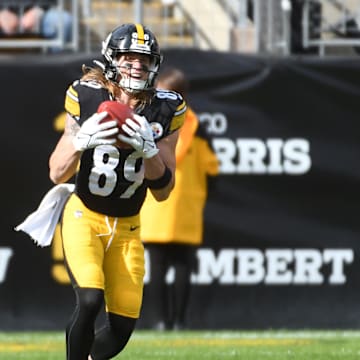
(173, 241)
(26, 17)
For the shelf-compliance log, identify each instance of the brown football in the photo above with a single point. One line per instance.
(116, 111)
(119, 112)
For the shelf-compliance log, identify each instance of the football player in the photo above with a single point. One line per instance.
(100, 224)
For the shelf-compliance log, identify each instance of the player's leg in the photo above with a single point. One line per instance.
(83, 253)
(124, 272)
(113, 337)
(80, 329)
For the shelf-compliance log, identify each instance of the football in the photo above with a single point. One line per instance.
(116, 111)
(119, 112)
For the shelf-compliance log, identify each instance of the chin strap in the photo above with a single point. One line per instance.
(109, 71)
(99, 64)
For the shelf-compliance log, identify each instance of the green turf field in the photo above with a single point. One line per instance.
(196, 345)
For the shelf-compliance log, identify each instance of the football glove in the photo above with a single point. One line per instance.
(92, 133)
(140, 136)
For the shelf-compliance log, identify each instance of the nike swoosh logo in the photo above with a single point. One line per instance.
(132, 228)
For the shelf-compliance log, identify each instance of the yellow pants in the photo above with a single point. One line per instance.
(105, 253)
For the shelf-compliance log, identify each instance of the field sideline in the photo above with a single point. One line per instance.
(196, 345)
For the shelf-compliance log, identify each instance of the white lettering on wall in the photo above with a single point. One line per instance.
(269, 267)
(255, 156)
(215, 123)
(338, 259)
(250, 269)
(220, 267)
(278, 261)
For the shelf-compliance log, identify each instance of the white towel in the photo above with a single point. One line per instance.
(41, 224)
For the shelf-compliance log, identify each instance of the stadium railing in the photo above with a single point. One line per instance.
(271, 27)
(169, 20)
(35, 40)
(341, 30)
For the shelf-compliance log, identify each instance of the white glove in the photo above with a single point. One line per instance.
(92, 133)
(140, 137)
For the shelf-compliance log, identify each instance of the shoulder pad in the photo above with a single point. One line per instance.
(167, 108)
(83, 98)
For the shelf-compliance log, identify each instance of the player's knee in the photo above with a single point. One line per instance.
(122, 328)
(89, 300)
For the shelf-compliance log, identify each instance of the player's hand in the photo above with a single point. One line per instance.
(93, 133)
(140, 136)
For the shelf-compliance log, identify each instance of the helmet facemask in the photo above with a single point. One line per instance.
(133, 84)
(131, 38)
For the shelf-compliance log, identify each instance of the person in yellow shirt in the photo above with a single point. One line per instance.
(173, 241)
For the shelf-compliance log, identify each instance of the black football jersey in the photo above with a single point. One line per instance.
(110, 179)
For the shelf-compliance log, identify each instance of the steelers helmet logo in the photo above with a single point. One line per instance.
(157, 129)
